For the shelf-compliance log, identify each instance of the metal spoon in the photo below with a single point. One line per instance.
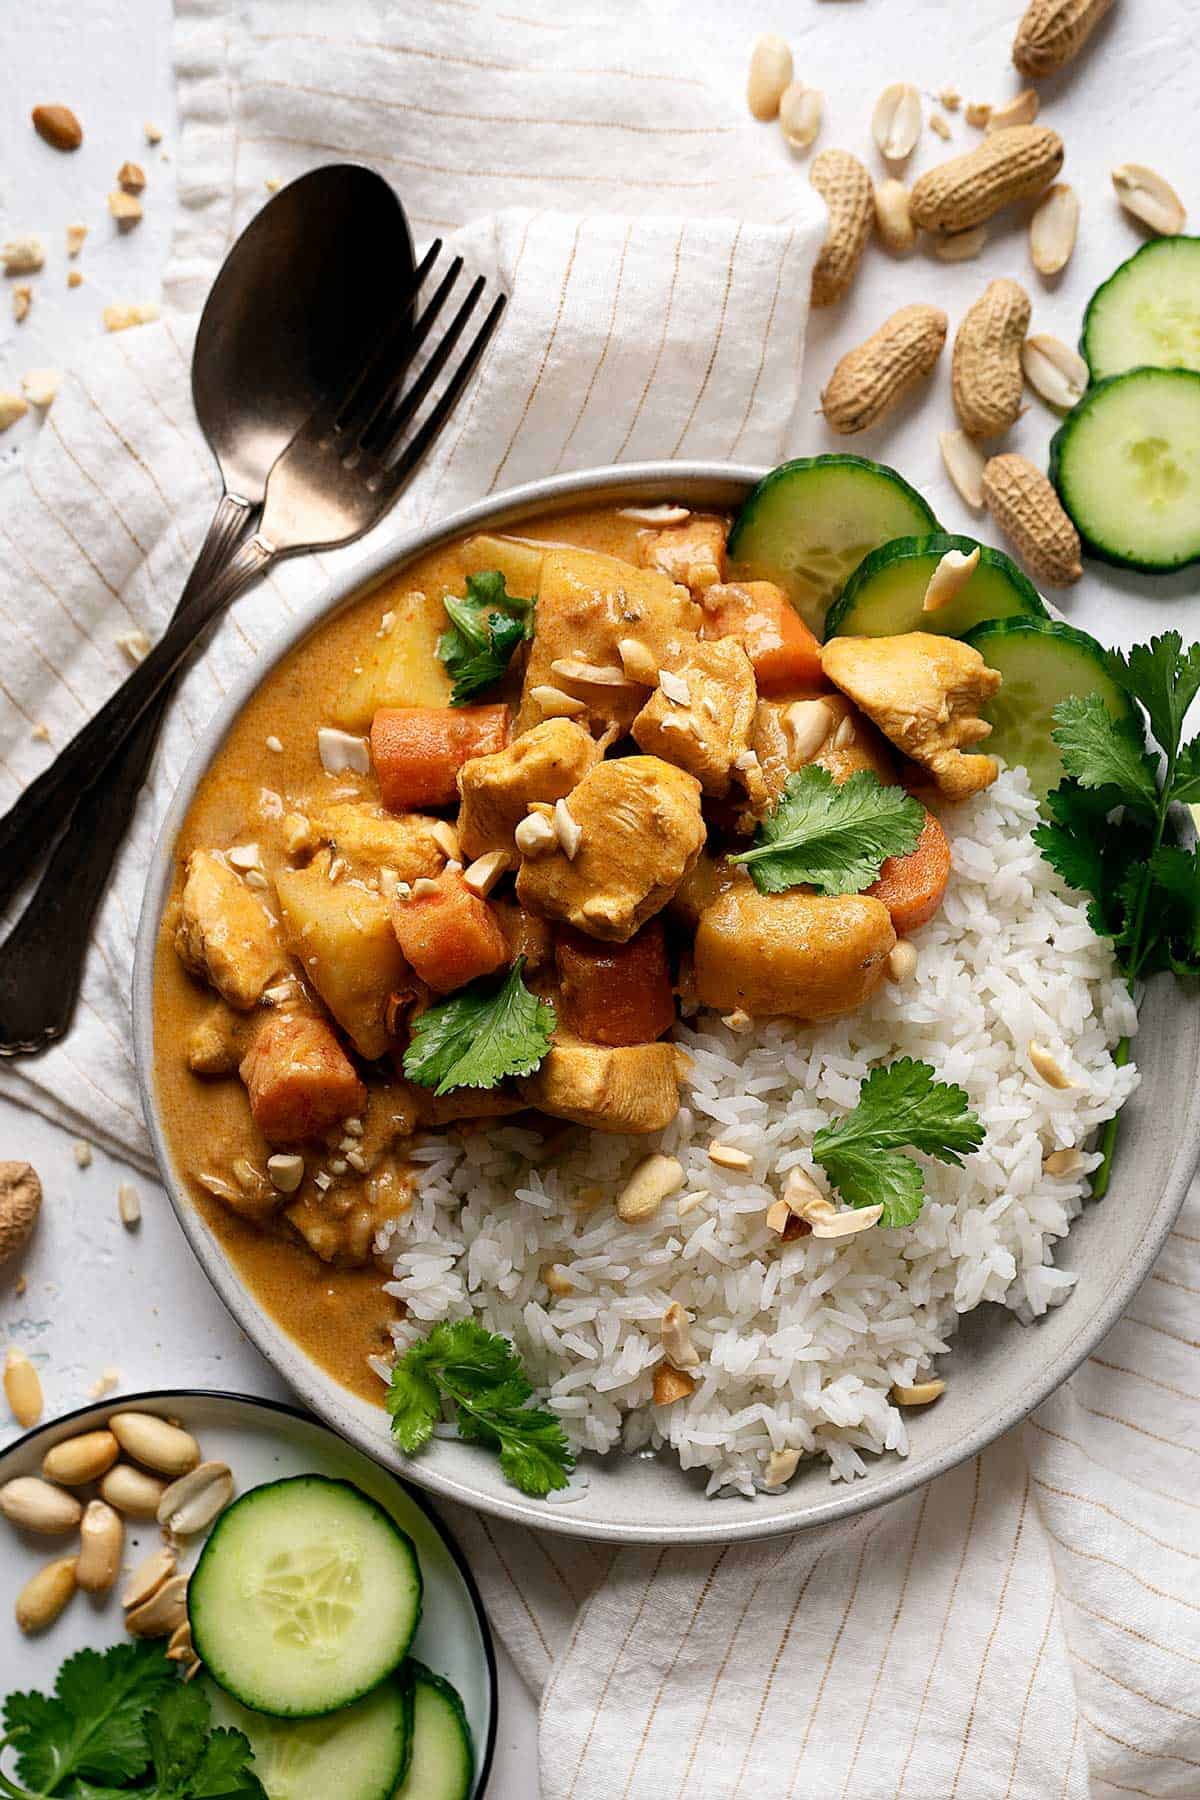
(311, 282)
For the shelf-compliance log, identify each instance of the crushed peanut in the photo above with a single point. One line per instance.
(75, 237)
(136, 646)
(22, 300)
(128, 313)
(919, 1394)
(129, 1205)
(12, 408)
(22, 256)
(41, 385)
(83, 1154)
(125, 208)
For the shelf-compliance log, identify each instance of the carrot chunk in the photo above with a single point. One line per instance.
(616, 994)
(418, 750)
(300, 1080)
(449, 935)
(912, 886)
(778, 642)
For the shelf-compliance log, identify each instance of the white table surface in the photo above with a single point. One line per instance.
(144, 1308)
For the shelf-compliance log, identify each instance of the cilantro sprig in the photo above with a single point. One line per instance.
(900, 1105)
(118, 1722)
(836, 838)
(486, 628)
(483, 1378)
(480, 1035)
(1111, 826)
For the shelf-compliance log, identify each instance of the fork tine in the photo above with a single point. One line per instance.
(388, 424)
(425, 323)
(381, 360)
(403, 468)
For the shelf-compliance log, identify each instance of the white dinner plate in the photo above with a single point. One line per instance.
(261, 1440)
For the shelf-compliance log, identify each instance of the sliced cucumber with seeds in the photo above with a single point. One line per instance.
(1126, 463)
(886, 593)
(443, 1756)
(306, 1596)
(808, 525)
(1042, 661)
(359, 1753)
(1147, 314)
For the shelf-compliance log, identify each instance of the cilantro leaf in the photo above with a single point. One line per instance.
(482, 1375)
(1093, 845)
(94, 1725)
(225, 1768)
(1166, 679)
(480, 1035)
(177, 1729)
(1186, 786)
(899, 1104)
(189, 1761)
(834, 838)
(1175, 873)
(486, 628)
(1100, 751)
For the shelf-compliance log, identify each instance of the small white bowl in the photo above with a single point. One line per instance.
(999, 1370)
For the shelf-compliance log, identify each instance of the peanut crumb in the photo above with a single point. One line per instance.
(41, 385)
(12, 408)
(125, 208)
(22, 256)
(40, 733)
(19, 1285)
(74, 278)
(22, 300)
(272, 184)
(153, 132)
(75, 237)
(939, 125)
(132, 177)
(83, 1154)
(121, 317)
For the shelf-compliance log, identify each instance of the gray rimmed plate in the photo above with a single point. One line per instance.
(261, 1440)
(1001, 1369)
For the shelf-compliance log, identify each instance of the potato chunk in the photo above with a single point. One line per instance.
(300, 1080)
(371, 839)
(640, 833)
(342, 936)
(634, 1088)
(399, 667)
(811, 956)
(587, 603)
(225, 934)
(924, 693)
(693, 552)
(542, 764)
(709, 731)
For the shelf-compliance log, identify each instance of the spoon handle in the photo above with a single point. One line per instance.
(31, 825)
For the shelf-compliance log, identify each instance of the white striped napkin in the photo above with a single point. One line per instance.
(1026, 1628)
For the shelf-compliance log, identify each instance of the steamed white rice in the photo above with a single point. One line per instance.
(800, 1343)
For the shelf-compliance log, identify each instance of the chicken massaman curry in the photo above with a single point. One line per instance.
(473, 843)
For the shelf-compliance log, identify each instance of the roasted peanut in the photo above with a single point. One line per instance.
(870, 379)
(153, 1442)
(101, 1540)
(1053, 32)
(846, 189)
(986, 378)
(80, 1459)
(1009, 165)
(1024, 505)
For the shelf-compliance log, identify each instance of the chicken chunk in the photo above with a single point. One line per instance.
(693, 553)
(341, 934)
(370, 839)
(497, 790)
(340, 1228)
(214, 1045)
(640, 831)
(587, 605)
(704, 724)
(781, 742)
(225, 934)
(633, 1088)
(300, 1080)
(811, 956)
(924, 693)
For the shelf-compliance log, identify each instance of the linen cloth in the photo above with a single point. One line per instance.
(1029, 1625)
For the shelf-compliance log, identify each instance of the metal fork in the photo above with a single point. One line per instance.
(341, 472)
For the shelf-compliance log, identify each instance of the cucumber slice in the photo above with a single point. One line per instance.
(1147, 314)
(885, 594)
(1042, 661)
(359, 1753)
(809, 523)
(1126, 463)
(306, 1596)
(443, 1757)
